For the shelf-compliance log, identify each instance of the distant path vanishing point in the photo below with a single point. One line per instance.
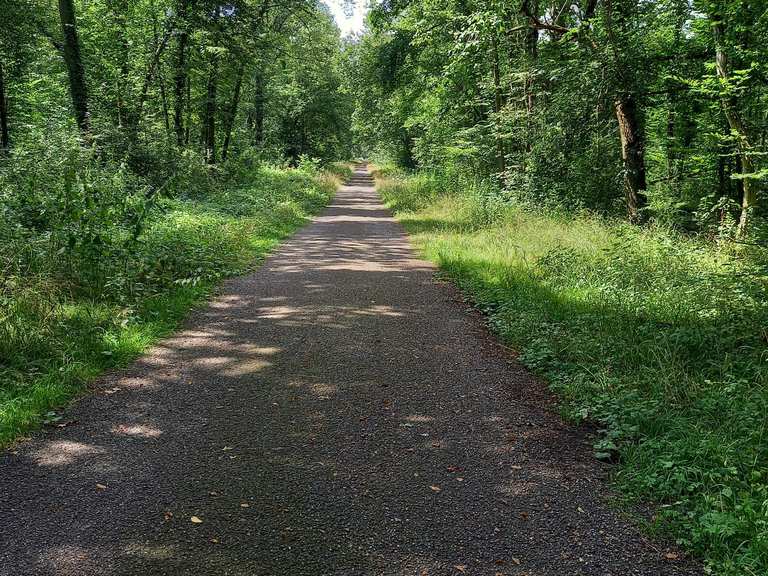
(338, 412)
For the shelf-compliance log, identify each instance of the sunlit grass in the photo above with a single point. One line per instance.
(658, 338)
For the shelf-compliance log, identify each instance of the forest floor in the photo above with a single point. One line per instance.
(339, 411)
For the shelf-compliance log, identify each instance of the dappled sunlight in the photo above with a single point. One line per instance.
(135, 382)
(332, 402)
(516, 488)
(70, 559)
(420, 419)
(245, 367)
(64, 452)
(137, 430)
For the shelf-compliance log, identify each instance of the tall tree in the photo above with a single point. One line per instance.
(78, 88)
(180, 76)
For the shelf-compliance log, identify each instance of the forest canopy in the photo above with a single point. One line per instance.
(655, 109)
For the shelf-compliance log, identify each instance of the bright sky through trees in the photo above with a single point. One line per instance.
(348, 23)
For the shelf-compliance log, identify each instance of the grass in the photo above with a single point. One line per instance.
(57, 332)
(658, 338)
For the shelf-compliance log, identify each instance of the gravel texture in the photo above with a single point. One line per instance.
(338, 412)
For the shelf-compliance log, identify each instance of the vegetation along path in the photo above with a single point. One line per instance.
(337, 412)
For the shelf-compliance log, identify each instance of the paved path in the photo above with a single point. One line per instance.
(336, 413)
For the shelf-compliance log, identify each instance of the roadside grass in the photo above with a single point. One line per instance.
(57, 333)
(658, 338)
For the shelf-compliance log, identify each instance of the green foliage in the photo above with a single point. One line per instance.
(112, 227)
(523, 96)
(657, 338)
(94, 269)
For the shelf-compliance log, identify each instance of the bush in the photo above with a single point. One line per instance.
(97, 262)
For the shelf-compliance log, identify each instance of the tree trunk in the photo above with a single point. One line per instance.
(731, 111)
(180, 78)
(501, 164)
(5, 144)
(632, 154)
(186, 129)
(531, 52)
(120, 20)
(209, 116)
(258, 108)
(671, 141)
(232, 114)
(152, 68)
(78, 88)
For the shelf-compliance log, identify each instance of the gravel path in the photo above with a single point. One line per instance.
(339, 412)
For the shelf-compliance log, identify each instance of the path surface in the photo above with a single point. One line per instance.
(336, 413)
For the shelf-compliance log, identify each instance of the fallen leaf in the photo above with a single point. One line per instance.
(671, 556)
(167, 515)
(516, 560)
(461, 568)
(195, 520)
(215, 540)
(101, 487)
(435, 488)
(227, 448)
(580, 509)
(460, 479)
(245, 505)
(524, 515)
(453, 469)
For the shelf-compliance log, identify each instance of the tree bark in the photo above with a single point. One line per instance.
(78, 88)
(152, 67)
(232, 113)
(209, 116)
(736, 124)
(531, 52)
(161, 83)
(258, 108)
(186, 129)
(670, 143)
(632, 154)
(180, 78)
(120, 20)
(5, 143)
(501, 163)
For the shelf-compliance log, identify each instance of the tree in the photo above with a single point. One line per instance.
(78, 88)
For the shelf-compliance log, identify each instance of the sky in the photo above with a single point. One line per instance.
(348, 24)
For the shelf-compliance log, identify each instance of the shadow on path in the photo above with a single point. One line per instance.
(338, 412)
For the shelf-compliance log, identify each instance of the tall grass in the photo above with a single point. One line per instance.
(658, 338)
(80, 294)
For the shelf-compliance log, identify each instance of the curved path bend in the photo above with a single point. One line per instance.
(338, 412)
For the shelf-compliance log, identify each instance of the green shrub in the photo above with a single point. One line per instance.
(96, 262)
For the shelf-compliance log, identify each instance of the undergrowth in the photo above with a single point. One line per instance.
(97, 266)
(658, 338)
